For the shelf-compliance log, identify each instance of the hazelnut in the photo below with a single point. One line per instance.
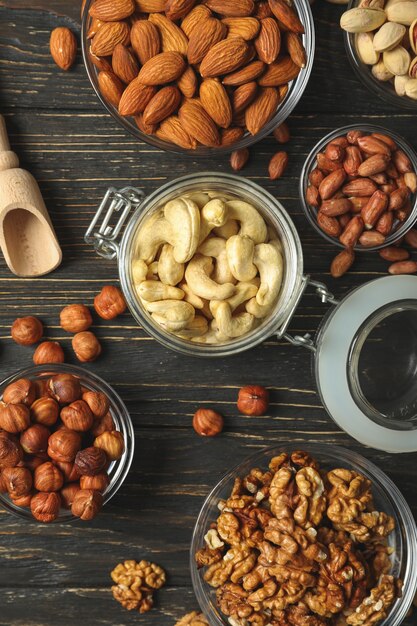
(109, 303)
(86, 346)
(97, 401)
(69, 471)
(27, 330)
(65, 388)
(22, 391)
(32, 462)
(100, 482)
(45, 506)
(87, 504)
(253, 400)
(63, 445)
(45, 411)
(90, 461)
(14, 418)
(23, 501)
(47, 477)
(113, 444)
(77, 416)
(11, 452)
(68, 494)
(102, 425)
(35, 439)
(207, 422)
(19, 481)
(48, 352)
(75, 318)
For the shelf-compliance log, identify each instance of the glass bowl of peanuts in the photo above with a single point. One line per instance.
(206, 77)
(247, 560)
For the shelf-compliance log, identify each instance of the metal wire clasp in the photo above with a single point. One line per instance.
(104, 237)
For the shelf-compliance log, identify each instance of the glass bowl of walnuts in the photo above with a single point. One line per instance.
(290, 536)
(66, 443)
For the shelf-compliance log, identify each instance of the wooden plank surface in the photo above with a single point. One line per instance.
(57, 576)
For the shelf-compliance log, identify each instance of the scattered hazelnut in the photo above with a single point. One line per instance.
(77, 416)
(109, 303)
(87, 504)
(45, 506)
(65, 388)
(207, 423)
(100, 482)
(75, 318)
(253, 400)
(63, 445)
(86, 346)
(14, 418)
(98, 402)
(47, 477)
(45, 411)
(48, 352)
(11, 452)
(34, 439)
(27, 330)
(22, 391)
(32, 462)
(68, 493)
(102, 425)
(23, 501)
(113, 444)
(19, 481)
(69, 471)
(91, 461)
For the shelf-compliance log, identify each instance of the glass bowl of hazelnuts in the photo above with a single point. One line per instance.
(66, 443)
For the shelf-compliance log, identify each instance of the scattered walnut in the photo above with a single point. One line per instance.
(193, 619)
(135, 584)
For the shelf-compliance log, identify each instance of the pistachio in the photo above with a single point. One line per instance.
(380, 72)
(399, 84)
(411, 88)
(412, 71)
(402, 12)
(397, 61)
(360, 20)
(413, 36)
(365, 48)
(389, 36)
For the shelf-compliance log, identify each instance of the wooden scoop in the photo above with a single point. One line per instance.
(27, 237)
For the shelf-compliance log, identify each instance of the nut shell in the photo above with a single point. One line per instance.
(253, 400)
(27, 330)
(75, 318)
(207, 422)
(110, 302)
(87, 504)
(45, 506)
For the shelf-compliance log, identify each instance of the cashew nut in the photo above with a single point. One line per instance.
(213, 215)
(233, 326)
(183, 215)
(230, 228)
(170, 271)
(154, 232)
(199, 197)
(270, 265)
(152, 273)
(171, 314)
(240, 250)
(197, 327)
(251, 221)
(154, 290)
(211, 337)
(244, 291)
(139, 271)
(258, 310)
(198, 278)
(216, 248)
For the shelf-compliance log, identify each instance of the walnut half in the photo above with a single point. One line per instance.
(135, 584)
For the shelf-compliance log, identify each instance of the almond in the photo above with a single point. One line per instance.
(148, 129)
(278, 165)
(94, 27)
(245, 27)
(262, 109)
(329, 225)
(150, 6)
(216, 102)
(107, 38)
(243, 96)
(164, 103)
(354, 229)
(393, 254)
(332, 183)
(197, 15)
(285, 14)
(188, 83)
(296, 49)
(145, 39)
(101, 63)
(135, 98)
(173, 39)
(162, 68)
(177, 9)
(262, 10)
(224, 57)
(173, 131)
(374, 165)
(360, 187)
(198, 123)
(205, 35)
(239, 158)
(342, 263)
(112, 10)
(268, 42)
(63, 47)
(280, 72)
(230, 136)
(232, 8)
(124, 64)
(245, 75)
(403, 267)
(111, 87)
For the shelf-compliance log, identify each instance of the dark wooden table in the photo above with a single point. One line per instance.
(59, 575)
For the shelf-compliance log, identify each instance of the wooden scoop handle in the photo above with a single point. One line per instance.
(8, 159)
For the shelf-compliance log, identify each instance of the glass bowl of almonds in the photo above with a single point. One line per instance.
(66, 443)
(315, 536)
(381, 44)
(198, 76)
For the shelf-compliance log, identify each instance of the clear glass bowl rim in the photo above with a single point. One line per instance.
(309, 165)
(341, 454)
(297, 88)
(92, 380)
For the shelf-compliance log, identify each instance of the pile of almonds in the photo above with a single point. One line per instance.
(361, 190)
(196, 73)
(57, 441)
